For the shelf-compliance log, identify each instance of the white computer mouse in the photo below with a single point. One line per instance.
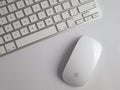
(82, 61)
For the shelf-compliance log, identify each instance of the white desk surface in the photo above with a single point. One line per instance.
(36, 67)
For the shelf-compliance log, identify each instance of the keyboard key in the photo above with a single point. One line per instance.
(8, 28)
(87, 6)
(25, 21)
(16, 34)
(1, 40)
(65, 15)
(11, 17)
(2, 50)
(88, 18)
(75, 2)
(41, 24)
(3, 20)
(80, 21)
(61, 0)
(77, 17)
(36, 7)
(17, 25)
(33, 28)
(49, 21)
(28, 11)
(33, 18)
(57, 18)
(71, 23)
(20, 4)
(61, 26)
(12, 7)
(74, 11)
(10, 46)
(1, 31)
(19, 14)
(50, 11)
(36, 36)
(66, 5)
(45, 4)
(7, 37)
(37, 0)
(53, 2)
(3, 11)
(10, 1)
(95, 15)
(58, 8)
(2, 3)
(29, 2)
(24, 31)
(42, 15)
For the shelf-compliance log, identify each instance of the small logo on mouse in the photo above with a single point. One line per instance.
(76, 74)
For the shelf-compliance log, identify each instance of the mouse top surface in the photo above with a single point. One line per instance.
(82, 61)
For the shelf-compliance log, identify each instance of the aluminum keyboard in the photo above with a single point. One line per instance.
(23, 22)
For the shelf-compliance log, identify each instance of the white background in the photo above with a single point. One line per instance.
(36, 67)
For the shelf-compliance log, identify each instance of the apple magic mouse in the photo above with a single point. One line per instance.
(82, 61)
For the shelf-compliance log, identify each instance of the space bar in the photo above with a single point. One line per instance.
(35, 36)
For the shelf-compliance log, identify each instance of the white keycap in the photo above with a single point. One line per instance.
(53, 2)
(82, 1)
(93, 11)
(16, 24)
(20, 4)
(29, 2)
(88, 18)
(33, 28)
(61, 0)
(36, 36)
(3, 20)
(2, 50)
(25, 21)
(41, 24)
(37, 0)
(57, 18)
(36, 7)
(24, 31)
(75, 2)
(42, 15)
(1, 31)
(65, 15)
(10, 46)
(12, 7)
(74, 11)
(58, 8)
(8, 28)
(50, 11)
(49, 21)
(19, 14)
(71, 23)
(28, 11)
(80, 21)
(7, 38)
(3, 11)
(45, 4)
(66, 5)
(33, 18)
(77, 17)
(11, 17)
(87, 6)
(10, 1)
(61, 26)
(16, 34)
(1, 40)
(2, 3)
(95, 15)
(85, 14)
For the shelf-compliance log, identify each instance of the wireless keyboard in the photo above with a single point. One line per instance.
(23, 22)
